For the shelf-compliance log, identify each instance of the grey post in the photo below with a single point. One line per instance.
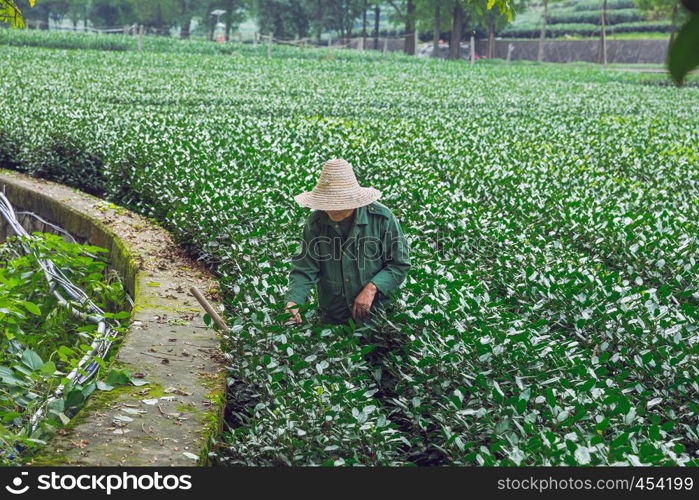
(473, 48)
(141, 33)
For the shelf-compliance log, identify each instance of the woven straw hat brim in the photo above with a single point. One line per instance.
(354, 198)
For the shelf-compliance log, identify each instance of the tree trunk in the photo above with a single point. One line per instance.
(184, 29)
(212, 26)
(345, 22)
(457, 29)
(158, 20)
(341, 32)
(491, 36)
(603, 35)
(673, 27)
(409, 45)
(542, 36)
(318, 14)
(230, 7)
(377, 17)
(364, 33)
(437, 30)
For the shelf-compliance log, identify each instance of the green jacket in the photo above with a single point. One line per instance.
(375, 251)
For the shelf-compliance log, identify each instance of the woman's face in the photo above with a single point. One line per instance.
(338, 215)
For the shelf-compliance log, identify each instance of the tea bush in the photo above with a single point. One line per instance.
(551, 313)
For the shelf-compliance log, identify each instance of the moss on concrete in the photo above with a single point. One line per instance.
(145, 305)
(213, 420)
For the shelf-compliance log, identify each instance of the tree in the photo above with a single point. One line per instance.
(209, 20)
(77, 11)
(457, 29)
(436, 28)
(410, 28)
(430, 17)
(683, 53)
(39, 16)
(542, 36)
(284, 18)
(185, 14)
(233, 16)
(341, 14)
(661, 9)
(602, 59)
(11, 14)
(365, 6)
(474, 13)
(111, 13)
(406, 13)
(490, 21)
(318, 22)
(656, 9)
(377, 19)
(159, 14)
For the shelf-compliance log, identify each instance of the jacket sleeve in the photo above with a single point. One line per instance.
(396, 259)
(304, 269)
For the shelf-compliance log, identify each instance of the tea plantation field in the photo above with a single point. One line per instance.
(553, 215)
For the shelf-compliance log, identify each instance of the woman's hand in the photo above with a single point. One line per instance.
(294, 311)
(362, 304)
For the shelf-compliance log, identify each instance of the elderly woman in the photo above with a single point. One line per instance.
(353, 248)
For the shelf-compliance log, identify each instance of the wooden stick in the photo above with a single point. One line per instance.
(210, 310)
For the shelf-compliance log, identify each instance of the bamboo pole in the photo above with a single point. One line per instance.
(209, 309)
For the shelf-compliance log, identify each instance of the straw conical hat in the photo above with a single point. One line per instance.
(337, 189)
